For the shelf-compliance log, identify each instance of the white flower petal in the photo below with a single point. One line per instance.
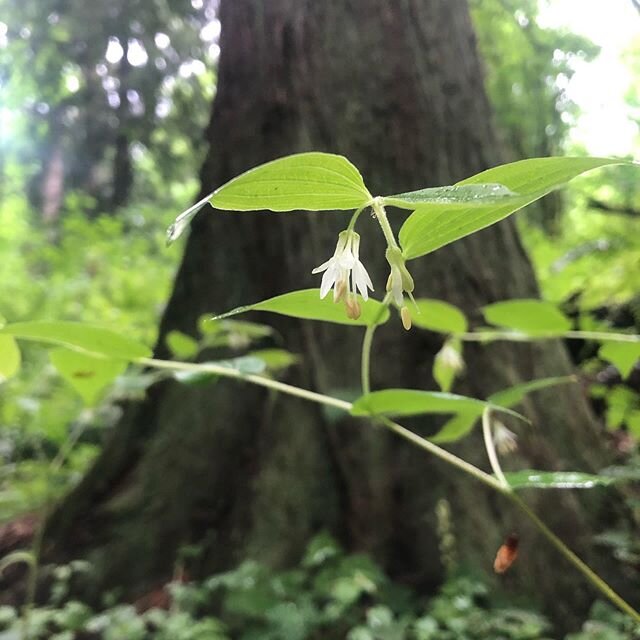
(362, 280)
(396, 287)
(323, 267)
(328, 279)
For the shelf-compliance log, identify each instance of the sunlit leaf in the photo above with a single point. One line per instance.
(181, 345)
(438, 224)
(438, 315)
(77, 335)
(10, 358)
(88, 375)
(623, 355)
(514, 395)
(534, 317)
(472, 195)
(530, 478)
(308, 181)
(306, 304)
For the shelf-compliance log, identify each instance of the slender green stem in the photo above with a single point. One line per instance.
(432, 448)
(381, 216)
(491, 449)
(355, 216)
(365, 361)
(226, 372)
(581, 566)
(443, 454)
(329, 401)
(515, 336)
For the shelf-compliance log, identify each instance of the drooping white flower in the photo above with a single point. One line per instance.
(505, 440)
(399, 283)
(344, 271)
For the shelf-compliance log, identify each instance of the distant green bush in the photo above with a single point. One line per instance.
(329, 595)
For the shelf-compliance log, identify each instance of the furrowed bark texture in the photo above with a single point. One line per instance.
(396, 87)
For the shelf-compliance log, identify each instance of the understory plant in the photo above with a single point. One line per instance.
(91, 357)
(329, 594)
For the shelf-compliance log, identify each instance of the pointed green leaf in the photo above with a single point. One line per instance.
(455, 428)
(306, 304)
(309, 181)
(412, 402)
(77, 335)
(88, 375)
(438, 315)
(534, 317)
(9, 357)
(472, 195)
(435, 225)
(530, 478)
(181, 223)
(514, 395)
(623, 355)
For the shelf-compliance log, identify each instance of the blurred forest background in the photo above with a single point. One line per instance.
(104, 109)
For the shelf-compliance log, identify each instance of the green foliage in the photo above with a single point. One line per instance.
(528, 70)
(329, 595)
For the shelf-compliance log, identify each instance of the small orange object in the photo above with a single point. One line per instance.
(507, 554)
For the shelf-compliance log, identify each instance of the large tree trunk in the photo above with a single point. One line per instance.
(396, 87)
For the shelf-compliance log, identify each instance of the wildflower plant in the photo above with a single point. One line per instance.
(439, 216)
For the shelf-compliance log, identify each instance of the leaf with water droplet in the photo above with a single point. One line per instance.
(467, 194)
(436, 224)
(182, 221)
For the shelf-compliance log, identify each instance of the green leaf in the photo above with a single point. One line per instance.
(436, 225)
(623, 355)
(412, 402)
(306, 304)
(310, 181)
(77, 335)
(529, 478)
(9, 357)
(87, 374)
(438, 315)
(514, 395)
(534, 317)
(455, 428)
(472, 195)
(181, 345)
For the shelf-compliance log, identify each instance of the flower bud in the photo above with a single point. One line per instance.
(405, 315)
(353, 308)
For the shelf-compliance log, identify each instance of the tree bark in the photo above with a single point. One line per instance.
(398, 89)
